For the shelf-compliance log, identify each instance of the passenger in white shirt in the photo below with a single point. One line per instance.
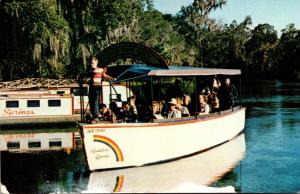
(173, 112)
(204, 107)
(184, 106)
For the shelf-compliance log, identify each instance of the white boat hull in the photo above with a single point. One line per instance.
(191, 174)
(135, 144)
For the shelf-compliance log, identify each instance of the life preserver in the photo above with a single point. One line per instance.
(97, 76)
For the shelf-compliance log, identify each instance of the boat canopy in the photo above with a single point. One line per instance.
(192, 71)
(128, 72)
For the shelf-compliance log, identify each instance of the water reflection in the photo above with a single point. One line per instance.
(43, 172)
(40, 160)
(186, 175)
(39, 140)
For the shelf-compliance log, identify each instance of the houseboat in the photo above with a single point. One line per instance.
(147, 140)
(40, 104)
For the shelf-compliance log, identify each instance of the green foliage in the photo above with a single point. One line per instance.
(155, 31)
(45, 31)
(56, 38)
(38, 18)
(288, 52)
(261, 48)
(226, 48)
(194, 23)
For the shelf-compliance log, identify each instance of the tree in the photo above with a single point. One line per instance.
(98, 24)
(260, 50)
(288, 52)
(56, 38)
(194, 23)
(226, 48)
(41, 33)
(156, 30)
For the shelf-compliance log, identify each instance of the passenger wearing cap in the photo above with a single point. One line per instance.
(173, 112)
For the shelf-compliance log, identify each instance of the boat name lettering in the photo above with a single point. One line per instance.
(95, 130)
(9, 137)
(99, 156)
(10, 112)
(94, 151)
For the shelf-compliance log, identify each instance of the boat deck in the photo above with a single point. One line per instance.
(35, 120)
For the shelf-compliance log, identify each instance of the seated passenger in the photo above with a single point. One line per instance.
(164, 109)
(216, 83)
(184, 106)
(131, 101)
(156, 111)
(107, 114)
(127, 113)
(228, 95)
(173, 111)
(213, 100)
(115, 108)
(204, 107)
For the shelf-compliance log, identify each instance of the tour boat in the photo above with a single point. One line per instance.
(110, 145)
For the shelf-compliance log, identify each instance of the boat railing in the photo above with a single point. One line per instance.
(182, 119)
(37, 83)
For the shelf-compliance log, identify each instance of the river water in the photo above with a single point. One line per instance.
(264, 159)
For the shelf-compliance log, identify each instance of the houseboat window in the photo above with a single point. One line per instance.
(13, 145)
(33, 103)
(76, 91)
(60, 92)
(52, 103)
(34, 144)
(55, 143)
(12, 104)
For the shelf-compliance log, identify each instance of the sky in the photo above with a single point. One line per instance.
(278, 13)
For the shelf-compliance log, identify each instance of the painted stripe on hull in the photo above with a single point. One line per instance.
(110, 143)
(119, 183)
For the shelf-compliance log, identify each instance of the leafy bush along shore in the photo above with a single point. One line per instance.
(55, 38)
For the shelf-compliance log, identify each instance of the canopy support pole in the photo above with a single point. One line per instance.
(151, 91)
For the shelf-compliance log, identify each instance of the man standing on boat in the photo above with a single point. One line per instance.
(95, 75)
(228, 95)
